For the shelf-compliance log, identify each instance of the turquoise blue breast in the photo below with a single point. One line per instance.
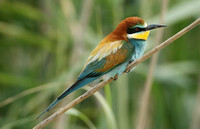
(139, 46)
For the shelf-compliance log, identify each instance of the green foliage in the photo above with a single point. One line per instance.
(43, 47)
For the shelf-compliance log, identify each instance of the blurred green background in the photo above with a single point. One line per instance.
(45, 43)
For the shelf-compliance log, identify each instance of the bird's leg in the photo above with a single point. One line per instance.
(130, 61)
(115, 77)
(127, 71)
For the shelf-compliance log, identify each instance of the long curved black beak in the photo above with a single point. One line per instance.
(151, 27)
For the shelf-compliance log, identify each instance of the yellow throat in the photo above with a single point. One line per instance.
(142, 35)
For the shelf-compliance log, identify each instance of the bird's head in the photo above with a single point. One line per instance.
(133, 28)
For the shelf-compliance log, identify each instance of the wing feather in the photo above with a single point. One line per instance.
(108, 57)
(104, 49)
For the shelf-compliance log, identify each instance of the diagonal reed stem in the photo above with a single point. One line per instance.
(142, 122)
(129, 67)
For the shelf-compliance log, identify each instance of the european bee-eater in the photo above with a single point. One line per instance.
(111, 57)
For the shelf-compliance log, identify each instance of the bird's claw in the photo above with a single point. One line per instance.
(127, 71)
(130, 62)
(115, 77)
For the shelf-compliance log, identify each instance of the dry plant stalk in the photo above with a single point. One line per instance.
(196, 112)
(102, 84)
(143, 113)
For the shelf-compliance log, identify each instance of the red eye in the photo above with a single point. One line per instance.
(137, 29)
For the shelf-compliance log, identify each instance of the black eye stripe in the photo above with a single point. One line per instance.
(134, 30)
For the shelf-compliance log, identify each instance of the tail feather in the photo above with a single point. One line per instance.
(75, 86)
(49, 107)
(64, 94)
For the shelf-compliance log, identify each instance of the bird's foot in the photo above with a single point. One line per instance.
(115, 77)
(127, 71)
(130, 62)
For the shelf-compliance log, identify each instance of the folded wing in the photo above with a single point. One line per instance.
(106, 57)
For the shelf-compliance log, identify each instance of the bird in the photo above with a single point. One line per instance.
(111, 56)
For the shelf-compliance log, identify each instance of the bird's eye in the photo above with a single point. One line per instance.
(134, 30)
(137, 29)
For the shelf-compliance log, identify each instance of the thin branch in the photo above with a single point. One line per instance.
(145, 96)
(102, 84)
